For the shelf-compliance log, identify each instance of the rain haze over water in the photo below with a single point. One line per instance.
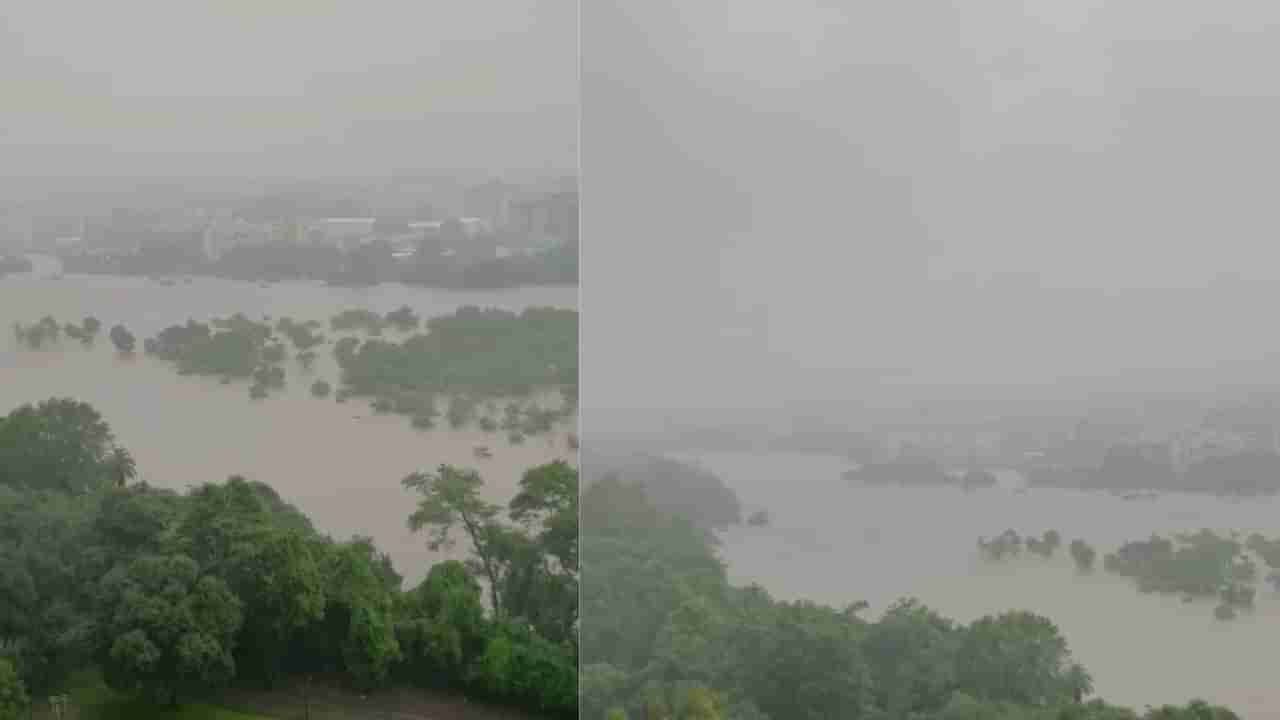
(880, 219)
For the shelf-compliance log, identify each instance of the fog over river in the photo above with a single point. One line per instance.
(836, 543)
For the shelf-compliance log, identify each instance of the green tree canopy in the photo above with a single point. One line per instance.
(165, 630)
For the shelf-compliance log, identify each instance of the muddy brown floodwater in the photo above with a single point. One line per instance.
(338, 462)
(836, 543)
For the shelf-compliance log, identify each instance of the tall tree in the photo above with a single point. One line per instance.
(123, 339)
(548, 499)
(450, 497)
(165, 630)
(60, 444)
(122, 466)
(1018, 657)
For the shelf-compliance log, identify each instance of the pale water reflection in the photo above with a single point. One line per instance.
(338, 462)
(836, 543)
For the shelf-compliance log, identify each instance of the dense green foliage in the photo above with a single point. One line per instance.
(60, 444)
(529, 564)
(357, 319)
(302, 335)
(403, 319)
(232, 347)
(13, 695)
(123, 339)
(1194, 565)
(1083, 555)
(471, 356)
(469, 360)
(670, 638)
(1009, 544)
(485, 352)
(174, 596)
(43, 333)
(1138, 468)
(163, 629)
(1006, 544)
(674, 488)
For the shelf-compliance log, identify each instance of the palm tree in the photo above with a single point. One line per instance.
(122, 465)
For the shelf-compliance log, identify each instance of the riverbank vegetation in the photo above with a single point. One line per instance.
(47, 332)
(475, 358)
(179, 597)
(365, 266)
(1140, 471)
(674, 488)
(918, 471)
(514, 373)
(1009, 544)
(232, 348)
(123, 340)
(301, 334)
(669, 637)
(357, 319)
(43, 333)
(1193, 566)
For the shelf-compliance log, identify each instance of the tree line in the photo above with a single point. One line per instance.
(364, 266)
(667, 637)
(175, 596)
(1201, 565)
(460, 369)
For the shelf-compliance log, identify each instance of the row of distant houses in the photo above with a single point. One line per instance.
(1084, 446)
(520, 218)
(341, 233)
(517, 210)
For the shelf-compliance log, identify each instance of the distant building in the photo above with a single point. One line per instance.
(224, 234)
(546, 220)
(342, 233)
(1192, 446)
(452, 230)
(490, 202)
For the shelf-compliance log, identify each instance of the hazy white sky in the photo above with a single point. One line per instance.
(308, 86)
(786, 198)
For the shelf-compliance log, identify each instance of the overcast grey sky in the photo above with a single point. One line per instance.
(286, 87)
(784, 200)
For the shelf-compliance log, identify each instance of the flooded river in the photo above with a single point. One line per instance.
(338, 462)
(837, 543)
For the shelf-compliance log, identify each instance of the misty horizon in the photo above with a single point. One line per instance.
(865, 201)
(317, 89)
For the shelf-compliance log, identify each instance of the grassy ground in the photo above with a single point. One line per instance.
(91, 699)
(295, 699)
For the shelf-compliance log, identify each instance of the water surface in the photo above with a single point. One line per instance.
(338, 462)
(837, 543)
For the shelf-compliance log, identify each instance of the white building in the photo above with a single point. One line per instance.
(341, 233)
(225, 233)
(471, 226)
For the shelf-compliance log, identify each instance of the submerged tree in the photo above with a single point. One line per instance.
(123, 339)
(451, 497)
(1083, 555)
(122, 466)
